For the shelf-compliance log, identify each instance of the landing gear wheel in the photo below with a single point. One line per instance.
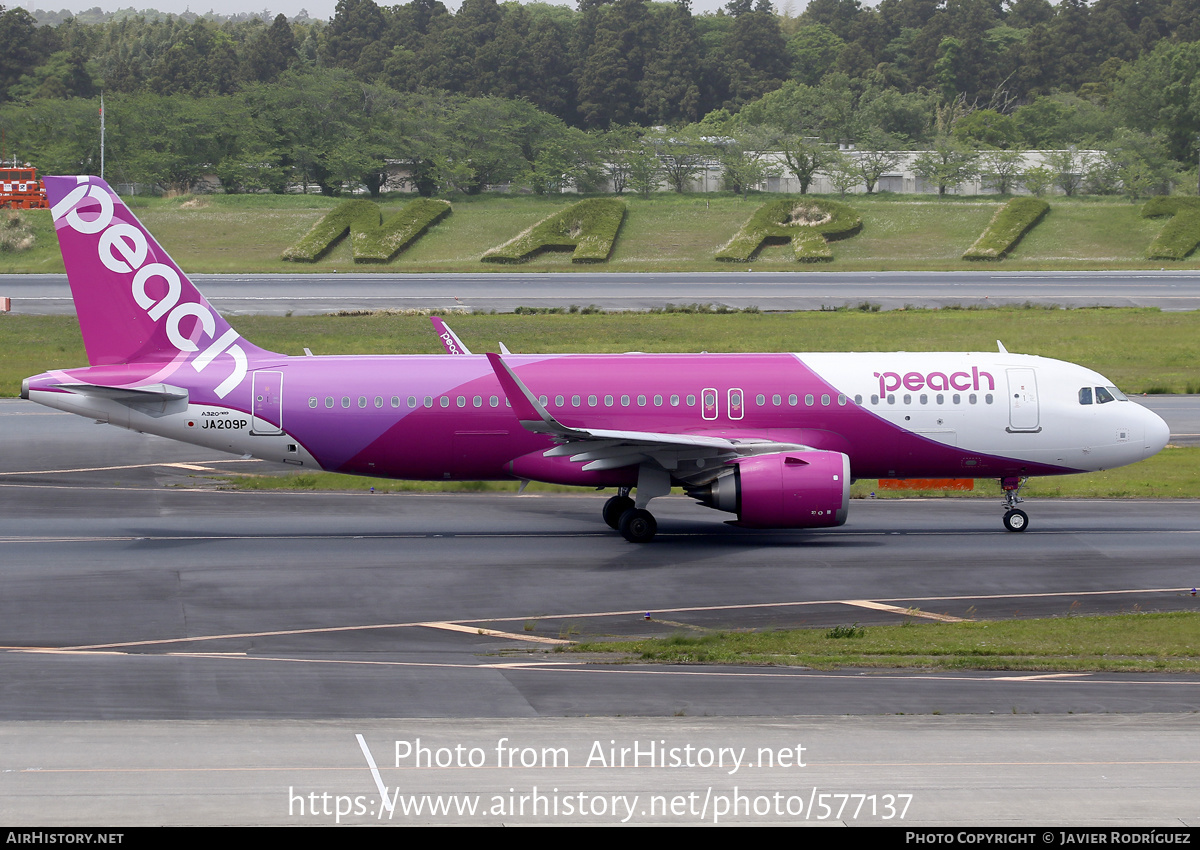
(613, 509)
(1016, 520)
(638, 526)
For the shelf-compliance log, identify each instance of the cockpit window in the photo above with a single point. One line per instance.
(1103, 396)
(1117, 394)
(1085, 395)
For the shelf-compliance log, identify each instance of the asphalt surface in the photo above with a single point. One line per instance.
(172, 653)
(504, 291)
(94, 512)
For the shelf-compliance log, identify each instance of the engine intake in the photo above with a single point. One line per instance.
(785, 490)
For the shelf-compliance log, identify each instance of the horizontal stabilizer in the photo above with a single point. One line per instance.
(152, 394)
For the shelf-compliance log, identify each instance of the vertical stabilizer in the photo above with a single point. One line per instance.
(133, 302)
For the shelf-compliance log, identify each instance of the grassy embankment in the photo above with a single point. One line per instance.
(247, 233)
(1162, 643)
(1158, 353)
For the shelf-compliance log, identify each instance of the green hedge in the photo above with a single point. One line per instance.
(372, 240)
(1008, 225)
(1181, 234)
(589, 228)
(809, 225)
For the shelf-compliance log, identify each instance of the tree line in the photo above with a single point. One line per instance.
(541, 94)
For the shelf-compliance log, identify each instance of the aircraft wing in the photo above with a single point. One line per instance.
(601, 448)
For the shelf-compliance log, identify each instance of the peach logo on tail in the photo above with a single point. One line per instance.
(122, 249)
(451, 343)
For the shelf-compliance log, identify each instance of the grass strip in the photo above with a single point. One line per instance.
(1173, 473)
(1136, 642)
(1158, 352)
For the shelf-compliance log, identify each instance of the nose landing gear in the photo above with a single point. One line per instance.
(1014, 518)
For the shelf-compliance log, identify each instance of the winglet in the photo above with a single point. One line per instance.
(530, 412)
(1000, 345)
(450, 340)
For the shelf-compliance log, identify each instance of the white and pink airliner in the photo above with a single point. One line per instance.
(772, 438)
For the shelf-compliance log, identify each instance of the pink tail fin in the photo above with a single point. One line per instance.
(133, 302)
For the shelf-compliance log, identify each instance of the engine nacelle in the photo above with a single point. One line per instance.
(785, 490)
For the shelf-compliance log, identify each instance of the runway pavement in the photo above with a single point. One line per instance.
(504, 291)
(177, 654)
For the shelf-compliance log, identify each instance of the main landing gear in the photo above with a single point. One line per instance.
(635, 524)
(630, 517)
(1014, 518)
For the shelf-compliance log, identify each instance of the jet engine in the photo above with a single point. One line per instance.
(803, 489)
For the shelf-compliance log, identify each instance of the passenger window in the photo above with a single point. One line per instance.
(362, 401)
(445, 401)
(908, 398)
(346, 402)
(825, 399)
(988, 398)
(329, 401)
(641, 401)
(924, 399)
(559, 401)
(658, 401)
(841, 400)
(493, 401)
(624, 401)
(544, 401)
(793, 399)
(477, 401)
(396, 401)
(462, 401)
(941, 399)
(808, 400)
(591, 401)
(874, 399)
(608, 401)
(412, 401)
(675, 401)
(777, 399)
(429, 401)
(378, 401)
(971, 398)
(312, 402)
(575, 400)
(760, 399)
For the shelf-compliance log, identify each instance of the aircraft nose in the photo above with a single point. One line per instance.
(1158, 433)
